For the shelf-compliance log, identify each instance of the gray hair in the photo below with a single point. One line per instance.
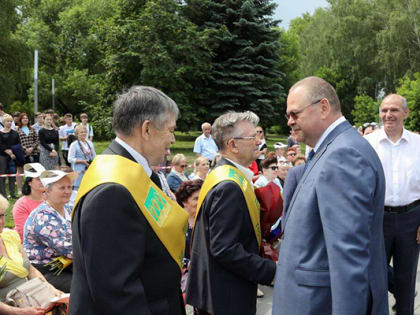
(141, 103)
(404, 102)
(205, 124)
(317, 89)
(224, 127)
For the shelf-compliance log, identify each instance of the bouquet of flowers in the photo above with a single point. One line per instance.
(58, 264)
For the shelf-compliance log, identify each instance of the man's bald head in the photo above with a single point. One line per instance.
(315, 89)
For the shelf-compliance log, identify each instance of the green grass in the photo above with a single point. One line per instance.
(184, 144)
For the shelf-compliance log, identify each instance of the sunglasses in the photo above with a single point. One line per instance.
(274, 168)
(259, 131)
(183, 165)
(295, 114)
(291, 154)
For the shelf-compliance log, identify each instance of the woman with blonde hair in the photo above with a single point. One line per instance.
(81, 154)
(177, 174)
(9, 141)
(201, 168)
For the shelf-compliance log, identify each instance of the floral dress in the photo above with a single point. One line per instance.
(47, 234)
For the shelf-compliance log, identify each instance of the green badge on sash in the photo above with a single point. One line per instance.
(157, 206)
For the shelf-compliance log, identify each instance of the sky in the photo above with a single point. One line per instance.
(289, 9)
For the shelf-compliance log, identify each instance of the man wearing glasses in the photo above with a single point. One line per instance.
(225, 267)
(332, 258)
(399, 151)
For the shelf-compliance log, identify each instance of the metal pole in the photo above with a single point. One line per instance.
(53, 94)
(36, 82)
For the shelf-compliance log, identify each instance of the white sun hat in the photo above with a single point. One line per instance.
(52, 176)
(33, 170)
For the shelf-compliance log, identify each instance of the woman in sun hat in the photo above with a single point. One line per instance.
(47, 231)
(32, 191)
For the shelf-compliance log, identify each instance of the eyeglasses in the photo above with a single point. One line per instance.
(246, 138)
(274, 168)
(295, 114)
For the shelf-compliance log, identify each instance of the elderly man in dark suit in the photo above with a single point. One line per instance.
(225, 267)
(332, 258)
(128, 237)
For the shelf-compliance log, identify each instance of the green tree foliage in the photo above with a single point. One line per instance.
(366, 109)
(14, 56)
(246, 74)
(410, 89)
(399, 40)
(363, 47)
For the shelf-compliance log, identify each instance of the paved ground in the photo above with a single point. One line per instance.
(264, 304)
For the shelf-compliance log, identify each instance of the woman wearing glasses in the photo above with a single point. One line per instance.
(47, 232)
(81, 154)
(269, 171)
(262, 148)
(177, 174)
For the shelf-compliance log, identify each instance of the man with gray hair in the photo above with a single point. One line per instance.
(204, 145)
(128, 236)
(399, 152)
(225, 267)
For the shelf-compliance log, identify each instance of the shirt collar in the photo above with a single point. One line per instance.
(383, 136)
(137, 156)
(328, 131)
(246, 171)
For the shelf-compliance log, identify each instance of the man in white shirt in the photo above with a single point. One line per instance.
(204, 145)
(84, 119)
(64, 132)
(399, 152)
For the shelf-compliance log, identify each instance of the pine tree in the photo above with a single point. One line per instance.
(246, 56)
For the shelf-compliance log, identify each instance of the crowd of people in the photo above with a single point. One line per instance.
(344, 209)
(21, 142)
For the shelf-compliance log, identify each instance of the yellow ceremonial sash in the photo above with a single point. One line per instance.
(14, 262)
(228, 172)
(167, 219)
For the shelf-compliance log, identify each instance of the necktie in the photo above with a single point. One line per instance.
(155, 178)
(308, 160)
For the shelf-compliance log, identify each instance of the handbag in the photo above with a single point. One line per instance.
(32, 293)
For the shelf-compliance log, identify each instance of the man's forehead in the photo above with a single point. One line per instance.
(392, 101)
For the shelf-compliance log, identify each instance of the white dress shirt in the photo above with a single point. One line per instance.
(401, 163)
(246, 171)
(137, 156)
(327, 132)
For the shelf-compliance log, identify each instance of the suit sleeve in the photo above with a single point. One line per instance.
(113, 239)
(345, 191)
(227, 217)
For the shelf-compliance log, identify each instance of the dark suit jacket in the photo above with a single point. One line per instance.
(225, 266)
(120, 265)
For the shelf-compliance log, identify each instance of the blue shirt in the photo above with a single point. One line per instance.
(205, 147)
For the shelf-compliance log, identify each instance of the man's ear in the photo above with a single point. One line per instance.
(145, 129)
(406, 112)
(231, 146)
(325, 108)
